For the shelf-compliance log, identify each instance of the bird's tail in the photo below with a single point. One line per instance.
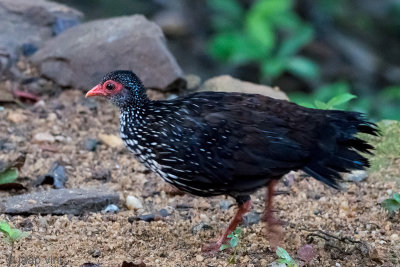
(339, 148)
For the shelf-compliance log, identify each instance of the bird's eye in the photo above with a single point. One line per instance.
(110, 86)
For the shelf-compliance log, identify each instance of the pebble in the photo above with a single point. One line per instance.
(356, 176)
(111, 140)
(200, 227)
(204, 218)
(16, 117)
(394, 237)
(133, 203)
(199, 258)
(225, 204)
(44, 137)
(251, 218)
(112, 209)
(90, 144)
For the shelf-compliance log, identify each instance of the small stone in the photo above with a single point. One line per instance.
(133, 203)
(102, 175)
(251, 218)
(42, 222)
(204, 218)
(95, 253)
(394, 237)
(200, 227)
(26, 224)
(356, 176)
(57, 176)
(90, 144)
(111, 209)
(111, 140)
(225, 204)
(147, 217)
(199, 258)
(163, 213)
(44, 137)
(16, 117)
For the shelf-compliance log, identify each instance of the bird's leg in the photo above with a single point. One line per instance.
(237, 219)
(274, 226)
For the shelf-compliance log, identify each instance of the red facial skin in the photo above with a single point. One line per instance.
(101, 89)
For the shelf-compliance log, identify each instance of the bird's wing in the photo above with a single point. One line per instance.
(226, 137)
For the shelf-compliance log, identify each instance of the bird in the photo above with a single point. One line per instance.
(225, 143)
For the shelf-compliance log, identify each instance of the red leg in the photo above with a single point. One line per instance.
(274, 226)
(237, 219)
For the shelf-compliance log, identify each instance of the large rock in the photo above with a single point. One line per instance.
(26, 24)
(226, 83)
(59, 201)
(82, 55)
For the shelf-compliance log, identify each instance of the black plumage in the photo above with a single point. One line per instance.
(212, 143)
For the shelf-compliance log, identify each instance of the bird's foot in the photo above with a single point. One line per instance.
(274, 231)
(212, 248)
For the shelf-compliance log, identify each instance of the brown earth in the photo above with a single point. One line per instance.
(109, 239)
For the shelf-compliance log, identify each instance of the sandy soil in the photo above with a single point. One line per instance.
(306, 206)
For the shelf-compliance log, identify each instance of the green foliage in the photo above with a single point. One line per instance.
(11, 235)
(269, 33)
(285, 258)
(332, 96)
(233, 243)
(392, 204)
(9, 175)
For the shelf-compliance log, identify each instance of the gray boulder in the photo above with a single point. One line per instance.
(59, 201)
(82, 55)
(26, 24)
(226, 83)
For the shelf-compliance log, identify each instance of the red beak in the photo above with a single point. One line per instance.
(95, 91)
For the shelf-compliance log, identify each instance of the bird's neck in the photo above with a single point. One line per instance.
(135, 112)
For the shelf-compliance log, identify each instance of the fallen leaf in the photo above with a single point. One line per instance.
(25, 96)
(306, 253)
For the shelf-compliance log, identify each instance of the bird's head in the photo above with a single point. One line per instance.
(122, 88)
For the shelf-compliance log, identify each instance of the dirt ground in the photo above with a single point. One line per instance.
(305, 205)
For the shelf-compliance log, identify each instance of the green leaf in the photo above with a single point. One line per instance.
(271, 8)
(282, 261)
(326, 92)
(238, 231)
(294, 43)
(303, 68)
(282, 254)
(228, 14)
(5, 228)
(230, 235)
(17, 234)
(391, 205)
(223, 246)
(320, 105)
(8, 176)
(340, 99)
(233, 241)
(396, 196)
(259, 30)
(272, 68)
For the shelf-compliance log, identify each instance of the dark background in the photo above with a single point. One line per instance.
(313, 50)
